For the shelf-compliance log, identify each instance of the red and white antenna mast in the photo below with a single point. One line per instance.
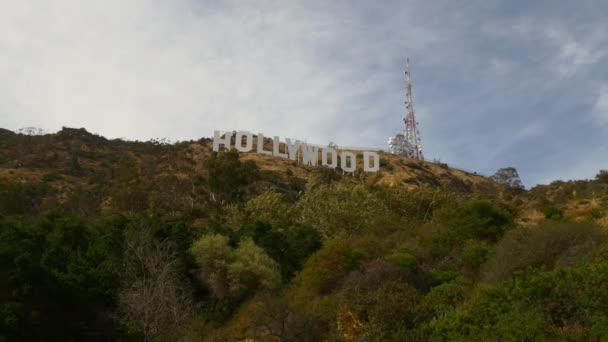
(412, 132)
(407, 142)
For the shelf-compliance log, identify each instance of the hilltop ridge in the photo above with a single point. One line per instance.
(76, 154)
(74, 160)
(74, 163)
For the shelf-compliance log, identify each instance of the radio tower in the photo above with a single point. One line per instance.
(412, 133)
(408, 142)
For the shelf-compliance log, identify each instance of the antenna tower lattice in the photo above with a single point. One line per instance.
(408, 142)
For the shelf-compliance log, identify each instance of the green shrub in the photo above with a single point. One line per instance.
(327, 266)
(602, 176)
(213, 254)
(596, 213)
(485, 220)
(475, 254)
(236, 272)
(226, 174)
(553, 243)
(386, 311)
(51, 177)
(60, 278)
(251, 270)
(553, 212)
(402, 258)
(453, 225)
(18, 198)
(443, 298)
(270, 176)
(490, 315)
(322, 176)
(341, 208)
(270, 207)
(443, 274)
(289, 246)
(574, 299)
(409, 209)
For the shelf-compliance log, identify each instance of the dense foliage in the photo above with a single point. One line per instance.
(244, 253)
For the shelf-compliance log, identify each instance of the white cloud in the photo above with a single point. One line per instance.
(501, 67)
(600, 110)
(575, 52)
(142, 69)
(568, 47)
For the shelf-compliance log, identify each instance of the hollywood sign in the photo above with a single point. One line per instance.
(308, 154)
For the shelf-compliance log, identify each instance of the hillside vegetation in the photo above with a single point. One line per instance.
(120, 240)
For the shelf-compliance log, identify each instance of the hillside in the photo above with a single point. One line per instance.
(120, 240)
(74, 161)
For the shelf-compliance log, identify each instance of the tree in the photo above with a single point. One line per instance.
(340, 208)
(322, 175)
(234, 273)
(213, 255)
(289, 247)
(453, 225)
(59, 279)
(554, 243)
(323, 270)
(390, 312)
(226, 174)
(271, 207)
(156, 295)
(31, 131)
(602, 176)
(18, 198)
(508, 176)
(251, 270)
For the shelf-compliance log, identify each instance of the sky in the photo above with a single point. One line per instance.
(495, 83)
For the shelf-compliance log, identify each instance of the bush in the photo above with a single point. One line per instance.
(226, 174)
(252, 269)
(212, 254)
(553, 212)
(490, 315)
(443, 298)
(379, 314)
(327, 266)
(574, 299)
(443, 274)
(475, 254)
(565, 304)
(21, 198)
(553, 243)
(270, 207)
(602, 176)
(341, 209)
(289, 247)
(235, 273)
(322, 176)
(485, 220)
(407, 209)
(402, 258)
(60, 278)
(452, 225)
(51, 177)
(596, 213)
